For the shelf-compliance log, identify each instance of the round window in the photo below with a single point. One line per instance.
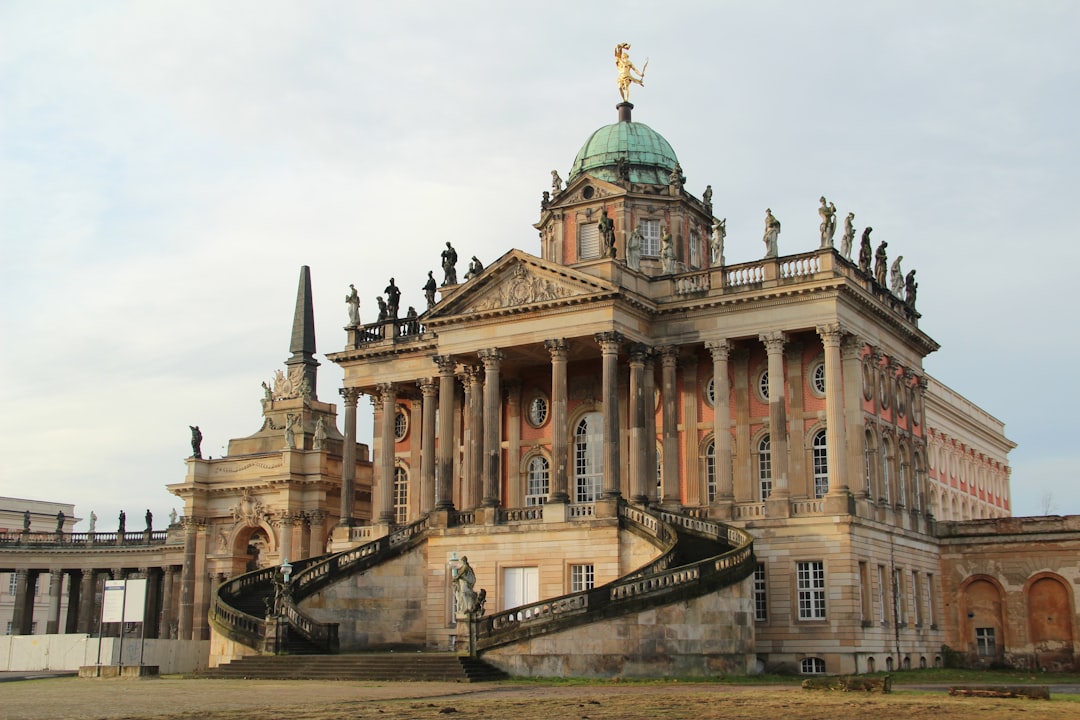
(538, 411)
(763, 385)
(401, 424)
(817, 378)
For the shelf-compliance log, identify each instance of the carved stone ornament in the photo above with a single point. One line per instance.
(293, 385)
(520, 288)
(248, 510)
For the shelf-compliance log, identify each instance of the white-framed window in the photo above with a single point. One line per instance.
(710, 471)
(915, 609)
(898, 597)
(13, 585)
(537, 413)
(588, 458)
(821, 464)
(581, 578)
(881, 594)
(650, 238)
(764, 464)
(401, 495)
(817, 378)
(710, 392)
(865, 611)
(588, 241)
(810, 576)
(930, 617)
(695, 249)
(812, 666)
(763, 385)
(537, 482)
(886, 478)
(761, 598)
(401, 424)
(985, 642)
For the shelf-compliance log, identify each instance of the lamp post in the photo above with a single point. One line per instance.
(286, 570)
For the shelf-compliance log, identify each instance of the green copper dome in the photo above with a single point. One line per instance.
(650, 157)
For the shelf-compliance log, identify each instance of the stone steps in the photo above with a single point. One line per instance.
(417, 666)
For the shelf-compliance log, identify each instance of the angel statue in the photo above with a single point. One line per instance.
(627, 71)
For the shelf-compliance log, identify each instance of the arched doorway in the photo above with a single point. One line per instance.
(1050, 626)
(258, 544)
(983, 621)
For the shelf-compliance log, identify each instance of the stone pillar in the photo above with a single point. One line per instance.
(693, 486)
(725, 484)
(348, 457)
(445, 481)
(71, 618)
(835, 437)
(851, 348)
(609, 351)
(168, 599)
(559, 432)
(317, 525)
(649, 392)
(187, 580)
(492, 426)
(384, 482)
(473, 491)
(283, 524)
(428, 392)
(669, 359)
(515, 495)
(87, 596)
(23, 613)
(638, 438)
(774, 345)
(153, 600)
(56, 584)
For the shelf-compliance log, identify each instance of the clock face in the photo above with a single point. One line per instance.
(538, 411)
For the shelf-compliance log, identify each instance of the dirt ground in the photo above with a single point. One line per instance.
(167, 698)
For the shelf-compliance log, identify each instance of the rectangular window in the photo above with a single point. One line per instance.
(898, 597)
(650, 233)
(710, 472)
(821, 467)
(984, 642)
(930, 600)
(881, 594)
(537, 483)
(581, 578)
(865, 611)
(8, 630)
(695, 250)
(13, 584)
(915, 609)
(811, 586)
(765, 468)
(761, 600)
(588, 241)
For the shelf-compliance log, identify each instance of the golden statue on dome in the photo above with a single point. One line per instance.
(627, 71)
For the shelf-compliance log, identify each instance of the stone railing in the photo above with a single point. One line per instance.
(361, 533)
(16, 539)
(580, 510)
(530, 512)
(799, 266)
(748, 274)
(651, 586)
(386, 329)
(693, 282)
(235, 624)
(807, 507)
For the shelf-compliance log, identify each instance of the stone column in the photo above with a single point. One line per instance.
(56, 584)
(87, 593)
(851, 348)
(384, 483)
(649, 392)
(153, 600)
(317, 525)
(23, 612)
(168, 599)
(473, 491)
(428, 392)
(774, 345)
(515, 490)
(444, 491)
(669, 359)
(638, 354)
(835, 437)
(492, 426)
(609, 350)
(283, 523)
(348, 457)
(725, 484)
(71, 616)
(187, 580)
(559, 433)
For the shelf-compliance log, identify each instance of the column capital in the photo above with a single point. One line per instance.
(639, 353)
(193, 522)
(350, 394)
(446, 364)
(719, 349)
(831, 334)
(851, 346)
(427, 386)
(774, 341)
(876, 354)
(557, 347)
(491, 357)
(669, 355)
(609, 341)
(386, 391)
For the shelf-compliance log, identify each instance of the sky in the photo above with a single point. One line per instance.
(166, 168)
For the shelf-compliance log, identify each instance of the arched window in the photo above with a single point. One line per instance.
(710, 471)
(868, 457)
(764, 464)
(812, 666)
(902, 476)
(401, 495)
(886, 476)
(588, 458)
(537, 481)
(821, 464)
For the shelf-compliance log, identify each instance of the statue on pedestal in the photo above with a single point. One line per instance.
(910, 288)
(716, 245)
(172, 517)
(881, 264)
(556, 182)
(196, 442)
(464, 580)
(627, 71)
(827, 211)
(449, 265)
(122, 527)
(706, 198)
(772, 234)
(93, 522)
(607, 234)
(353, 301)
(149, 517)
(633, 249)
(429, 290)
(60, 521)
(866, 253)
(667, 251)
(849, 236)
(896, 277)
(26, 520)
(393, 299)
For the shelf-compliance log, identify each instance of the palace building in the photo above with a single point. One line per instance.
(650, 462)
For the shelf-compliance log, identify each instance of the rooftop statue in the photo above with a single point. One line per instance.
(667, 251)
(429, 290)
(383, 314)
(866, 253)
(910, 287)
(475, 268)
(93, 522)
(353, 301)
(196, 441)
(633, 248)
(896, 277)
(716, 245)
(607, 234)
(556, 182)
(849, 236)
(627, 71)
(449, 265)
(393, 299)
(706, 198)
(827, 211)
(772, 234)
(881, 264)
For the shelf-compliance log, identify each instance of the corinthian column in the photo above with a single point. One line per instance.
(609, 350)
(669, 360)
(427, 444)
(348, 457)
(559, 438)
(472, 494)
(445, 481)
(384, 483)
(638, 480)
(835, 437)
(492, 426)
(720, 351)
(774, 346)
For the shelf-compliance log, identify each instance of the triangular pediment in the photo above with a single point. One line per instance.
(585, 189)
(515, 282)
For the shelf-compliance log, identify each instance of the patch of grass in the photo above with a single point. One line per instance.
(931, 676)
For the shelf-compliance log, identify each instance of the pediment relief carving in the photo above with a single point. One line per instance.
(520, 286)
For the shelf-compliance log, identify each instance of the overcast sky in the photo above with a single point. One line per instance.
(167, 167)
